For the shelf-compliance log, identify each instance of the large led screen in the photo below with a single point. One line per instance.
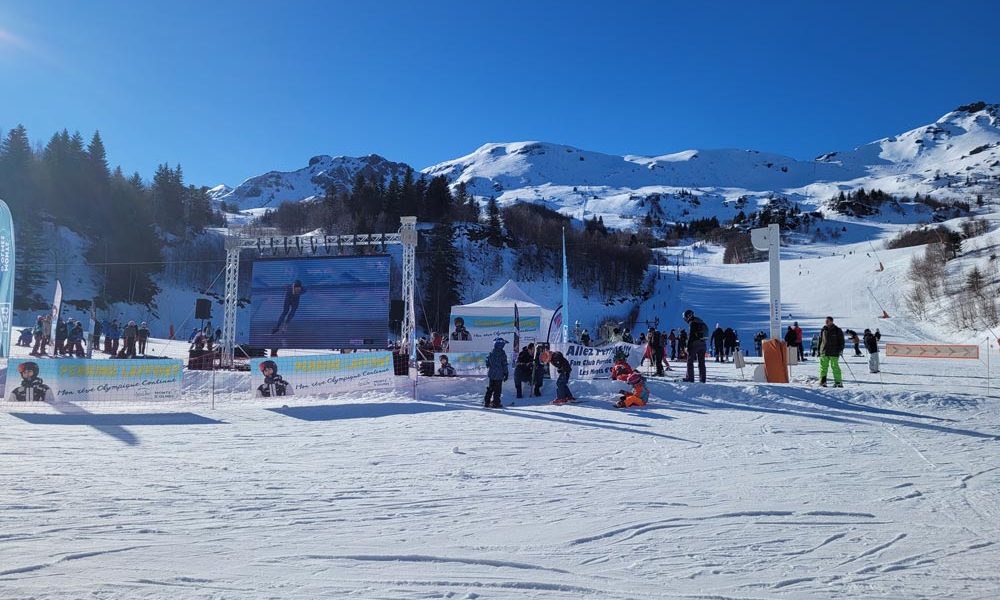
(328, 302)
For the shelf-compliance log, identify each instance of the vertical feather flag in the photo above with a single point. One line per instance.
(517, 332)
(565, 292)
(6, 278)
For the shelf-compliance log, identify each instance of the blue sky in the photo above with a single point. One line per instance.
(233, 89)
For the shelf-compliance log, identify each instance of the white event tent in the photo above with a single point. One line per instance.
(493, 316)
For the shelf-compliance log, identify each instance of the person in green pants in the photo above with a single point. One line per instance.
(831, 345)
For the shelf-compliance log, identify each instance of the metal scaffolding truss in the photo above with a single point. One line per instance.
(315, 244)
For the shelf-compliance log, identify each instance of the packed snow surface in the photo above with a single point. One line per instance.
(885, 489)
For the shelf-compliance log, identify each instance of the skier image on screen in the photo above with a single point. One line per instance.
(292, 297)
(31, 389)
(274, 384)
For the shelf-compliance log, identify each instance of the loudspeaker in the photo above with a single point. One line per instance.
(203, 309)
(395, 310)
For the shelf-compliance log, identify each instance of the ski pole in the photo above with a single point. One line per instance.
(849, 369)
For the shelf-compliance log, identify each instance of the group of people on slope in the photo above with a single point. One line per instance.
(68, 341)
(531, 360)
(830, 345)
(122, 342)
(725, 343)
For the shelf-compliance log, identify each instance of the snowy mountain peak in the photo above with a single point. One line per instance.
(322, 173)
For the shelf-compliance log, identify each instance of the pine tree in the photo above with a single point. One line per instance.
(437, 200)
(20, 190)
(444, 276)
(494, 231)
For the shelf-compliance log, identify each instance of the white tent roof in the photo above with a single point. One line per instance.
(507, 295)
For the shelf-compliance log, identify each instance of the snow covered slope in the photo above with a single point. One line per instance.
(952, 157)
(322, 172)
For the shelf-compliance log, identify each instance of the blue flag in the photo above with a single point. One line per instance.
(6, 278)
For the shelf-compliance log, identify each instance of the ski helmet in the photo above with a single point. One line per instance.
(499, 342)
(688, 314)
(28, 365)
(269, 364)
(633, 379)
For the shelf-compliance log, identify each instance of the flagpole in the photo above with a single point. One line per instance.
(565, 292)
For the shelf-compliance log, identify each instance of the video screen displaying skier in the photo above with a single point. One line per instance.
(320, 303)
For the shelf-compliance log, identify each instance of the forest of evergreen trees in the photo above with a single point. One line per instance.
(126, 220)
(129, 225)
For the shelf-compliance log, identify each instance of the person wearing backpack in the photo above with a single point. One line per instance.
(697, 334)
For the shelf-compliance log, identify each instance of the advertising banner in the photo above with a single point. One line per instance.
(477, 332)
(320, 303)
(82, 380)
(468, 364)
(595, 363)
(321, 374)
(960, 351)
(6, 278)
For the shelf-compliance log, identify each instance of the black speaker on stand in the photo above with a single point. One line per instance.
(203, 309)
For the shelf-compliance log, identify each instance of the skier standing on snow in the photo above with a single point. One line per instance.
(682, 344)
(695, 345)
(522, 369)
(871, 344)
(718, 343)
(627, 337)
(563, 368)
(497, 373)
(729, 341)
(814, 345)
(537, 371)
(656, 350)
(62, 332)
(585, 338)
(790, 337)
(39, 333)
(74, 342)
(758, 342)
(853, 335)
(672, 338)
(143, 337)
(798, 340)
(131, 334)
(831, 345)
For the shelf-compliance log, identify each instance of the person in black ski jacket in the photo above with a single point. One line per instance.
(695, 345)
(627, 337)
(32, 388)
(274, 385)
(143, 337)
(831, 345)
(790, 337)
(682, 344)
(655, 341)
(497, 373)
(853, 336)
(718, 343)
(62, 332)
(74, 342)
(871, 345)
(729, 341)
(522, 369)
(564, 369)
(292, 296)
(537, 371)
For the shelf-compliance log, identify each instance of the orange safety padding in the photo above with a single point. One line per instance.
(775, 361)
